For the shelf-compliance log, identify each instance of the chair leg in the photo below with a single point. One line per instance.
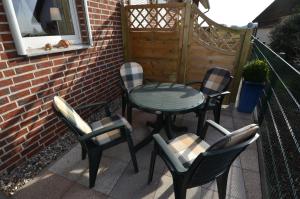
(123, 105)
(217, 113)
(83, 153)
(152, 163)
(201, 121)
(132, 152)
(94, 161)
(222, 184)
(179, 189)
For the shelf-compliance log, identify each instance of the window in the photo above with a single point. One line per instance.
(37, 22)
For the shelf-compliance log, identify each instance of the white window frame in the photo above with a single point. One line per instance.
(33, 46)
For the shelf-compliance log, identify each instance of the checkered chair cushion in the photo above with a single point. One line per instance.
(215, 81)
(132, 75)
(70, 114)
(187, 147)
(111, 135)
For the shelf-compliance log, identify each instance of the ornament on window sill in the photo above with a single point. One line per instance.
(63, 44)
(48, 47)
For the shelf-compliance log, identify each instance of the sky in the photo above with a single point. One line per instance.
(236, 12)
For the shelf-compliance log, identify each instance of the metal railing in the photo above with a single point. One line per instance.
(279, 117)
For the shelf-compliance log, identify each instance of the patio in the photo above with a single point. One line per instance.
(68, 176)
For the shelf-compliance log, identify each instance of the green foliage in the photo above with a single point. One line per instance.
(286, 37)
(256, 71)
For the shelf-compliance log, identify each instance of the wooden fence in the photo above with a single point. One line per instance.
(176, 42)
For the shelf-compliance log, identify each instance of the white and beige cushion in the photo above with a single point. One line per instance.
(70, 114)
(110, 135)
(132, 75)
(187, 147)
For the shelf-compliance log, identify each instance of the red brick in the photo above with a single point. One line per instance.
(15, 145)
(9, 73)
(13, 113)
(8, 107)
(20, 86)
(5, 82)
(42, 72)
(25, 69)
(40, 80)
(23, 78)
(9, 131)
(4, 92)
(19, 95)
(16, 136)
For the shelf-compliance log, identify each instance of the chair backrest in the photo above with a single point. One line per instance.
(74, 121)
(132, 75)
(220, 155)
(216, 80)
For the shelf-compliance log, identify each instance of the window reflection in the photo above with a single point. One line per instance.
(44, 17)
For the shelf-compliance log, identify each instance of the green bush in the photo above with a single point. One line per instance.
(285, 37)
(256, 71)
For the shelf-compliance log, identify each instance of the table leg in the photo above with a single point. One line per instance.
(168, 125)
(158, 126)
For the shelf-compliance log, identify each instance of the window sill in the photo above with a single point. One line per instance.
(40, 51)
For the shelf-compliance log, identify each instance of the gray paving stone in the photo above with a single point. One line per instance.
(78, 191)
(134, 186)
(252, 184)
(109, 172)
(47, 186)
(249, 160)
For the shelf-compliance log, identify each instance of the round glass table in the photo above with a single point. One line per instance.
(164, 99)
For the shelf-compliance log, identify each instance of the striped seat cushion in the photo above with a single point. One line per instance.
(236, 137)
(111, 135)
(187, 147)
(70, 114)
(132, 75)
(216, 80)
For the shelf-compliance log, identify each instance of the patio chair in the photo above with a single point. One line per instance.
(193, 162)
(97, 136)
(131, 76)
(214, 87)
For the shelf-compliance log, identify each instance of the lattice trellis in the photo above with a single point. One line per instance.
(211, 34)
(162, 18)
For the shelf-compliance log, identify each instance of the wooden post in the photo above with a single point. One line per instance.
(185, 42)
(124, 21)
(245, 52)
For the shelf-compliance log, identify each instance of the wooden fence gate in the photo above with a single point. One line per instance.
(176, 42)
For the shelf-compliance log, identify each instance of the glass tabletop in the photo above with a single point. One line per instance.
(166, 97)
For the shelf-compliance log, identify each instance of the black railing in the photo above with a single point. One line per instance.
(279, 116)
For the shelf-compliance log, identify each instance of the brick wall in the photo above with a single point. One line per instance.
(27, 85)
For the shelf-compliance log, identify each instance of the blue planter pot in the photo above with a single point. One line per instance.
(249, 96)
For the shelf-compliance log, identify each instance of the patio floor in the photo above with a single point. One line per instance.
(68, 176)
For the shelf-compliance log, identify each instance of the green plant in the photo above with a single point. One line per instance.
(256, 71)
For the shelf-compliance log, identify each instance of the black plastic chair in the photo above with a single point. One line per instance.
(193, 162)
(97, 136)
(214, 86)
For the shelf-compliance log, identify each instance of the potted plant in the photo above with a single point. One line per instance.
(255, 74)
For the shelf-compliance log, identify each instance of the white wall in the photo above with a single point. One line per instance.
(263, 34)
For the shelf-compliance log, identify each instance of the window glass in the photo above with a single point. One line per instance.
(43, 17)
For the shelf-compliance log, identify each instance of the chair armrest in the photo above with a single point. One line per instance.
(116, 125)
(169, 155)
(216, 95)
(218, 127)
(193, 82)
